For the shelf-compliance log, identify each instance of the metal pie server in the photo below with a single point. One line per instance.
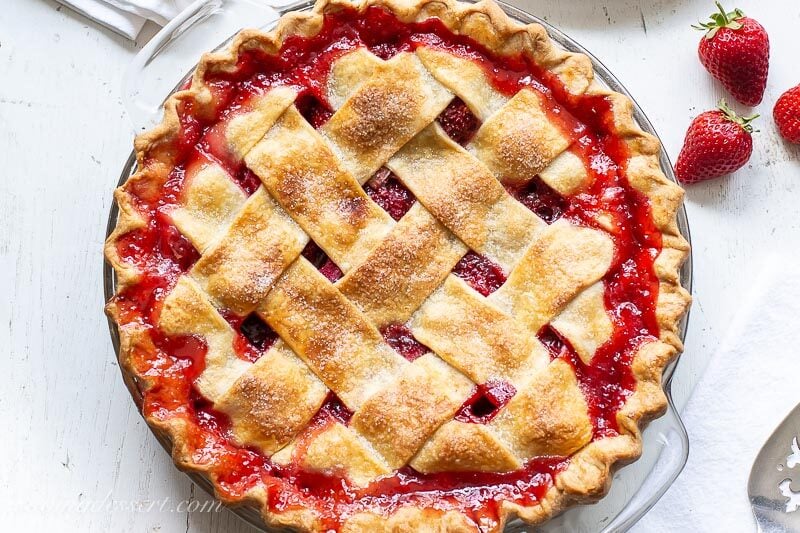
(774, 485)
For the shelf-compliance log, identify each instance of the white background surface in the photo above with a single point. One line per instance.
(74, 453)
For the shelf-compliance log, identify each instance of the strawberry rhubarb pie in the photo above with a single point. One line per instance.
(398, 266)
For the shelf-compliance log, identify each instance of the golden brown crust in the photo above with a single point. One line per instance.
(299, 170)
(424, 396)
(498, 347)
(548, 417)
(269, 405)
(524, 143)
(425, 260)
(588, 476)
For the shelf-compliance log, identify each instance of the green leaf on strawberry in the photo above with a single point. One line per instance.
(721, 19)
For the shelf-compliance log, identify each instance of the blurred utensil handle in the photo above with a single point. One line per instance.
(774, 485)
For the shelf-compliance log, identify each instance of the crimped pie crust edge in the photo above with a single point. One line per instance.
(588, 476)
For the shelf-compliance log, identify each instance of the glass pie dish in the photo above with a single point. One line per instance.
(153, 75)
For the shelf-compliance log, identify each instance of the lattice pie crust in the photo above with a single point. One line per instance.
(399, 272)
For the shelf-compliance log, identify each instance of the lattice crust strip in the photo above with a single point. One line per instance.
(460, 192)
(537, 146)
(211, 200)
(302, 173)
(394, 273)
(273, 400)
(384, 113)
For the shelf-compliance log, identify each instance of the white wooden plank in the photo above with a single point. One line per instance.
(73, 441)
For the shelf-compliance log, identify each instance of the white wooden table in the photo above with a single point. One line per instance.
(74, 452)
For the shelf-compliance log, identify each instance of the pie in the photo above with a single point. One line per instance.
(398, 265)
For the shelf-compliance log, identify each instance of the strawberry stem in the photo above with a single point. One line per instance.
(730, 114)
(719, 20)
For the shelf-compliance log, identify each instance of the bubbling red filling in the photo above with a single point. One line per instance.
(162, 254)
(480, 273)
(386, 190)
(486, 401)
(458, 121)
(400, 337)
(254, 337)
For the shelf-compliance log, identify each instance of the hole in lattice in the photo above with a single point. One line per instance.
(247, 180)
(257, 332)
(793, 459)
(540, 198)
(334, 408)
(785, 486)
(458, 121)
(313, 109)
(173, 245)
(386, 190)
(255, 336)
(317, 257)
(482, 407)
(480, 273)
(485, 402)
(553, 342)
(399, 337)
(792, 498)
(207, 417)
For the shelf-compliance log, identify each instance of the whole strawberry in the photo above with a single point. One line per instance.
(735, 50)
(787, 115)
(718, 142)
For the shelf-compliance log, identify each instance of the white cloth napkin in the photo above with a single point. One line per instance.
(749, 387)
(127, 17)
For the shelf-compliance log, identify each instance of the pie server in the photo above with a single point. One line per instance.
(774, 485)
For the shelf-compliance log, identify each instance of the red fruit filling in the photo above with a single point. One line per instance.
(313, 110)
(458, 121)
(161, 254)
(247, 180)
(386, 190)
(333, 408)
(158, 247)
(556, 346)
(399, 337)
(254, 337)
(540, 198)
(208, 417)
(317, 257)
(480, 273)
(486, 402)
